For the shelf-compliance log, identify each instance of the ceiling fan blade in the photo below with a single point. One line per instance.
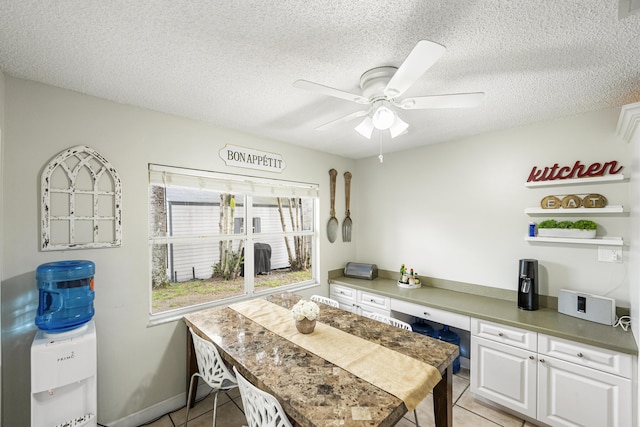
(421, 57)
(326, 90)
(344, 119)
(455, 100)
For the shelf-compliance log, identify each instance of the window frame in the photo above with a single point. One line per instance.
(238, 183)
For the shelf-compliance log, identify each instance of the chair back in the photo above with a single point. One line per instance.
(260, 408)
(210, 365)
(325, 300)
(390, 321)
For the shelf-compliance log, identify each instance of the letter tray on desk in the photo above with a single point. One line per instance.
(361, 271)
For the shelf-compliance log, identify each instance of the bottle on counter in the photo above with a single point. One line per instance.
(412, 279)
(403, 272)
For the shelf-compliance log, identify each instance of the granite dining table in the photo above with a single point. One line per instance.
(312, 390)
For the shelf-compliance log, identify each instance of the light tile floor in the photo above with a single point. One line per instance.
(467, 412)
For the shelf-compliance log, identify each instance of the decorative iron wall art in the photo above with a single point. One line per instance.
(81, 202)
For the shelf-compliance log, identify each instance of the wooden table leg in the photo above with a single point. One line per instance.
(192, 368)
(443, 400)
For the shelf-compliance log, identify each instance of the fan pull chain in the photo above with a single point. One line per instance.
(381, 157)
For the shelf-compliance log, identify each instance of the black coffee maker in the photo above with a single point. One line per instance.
(528, 284)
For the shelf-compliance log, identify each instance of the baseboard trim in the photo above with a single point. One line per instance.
(159, 409)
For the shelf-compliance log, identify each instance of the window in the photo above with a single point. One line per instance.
(203, 254)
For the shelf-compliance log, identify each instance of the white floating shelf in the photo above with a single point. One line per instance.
(576, 211)
(601, 241)
(605, 178)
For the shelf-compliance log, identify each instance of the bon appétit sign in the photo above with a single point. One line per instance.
(243, 157)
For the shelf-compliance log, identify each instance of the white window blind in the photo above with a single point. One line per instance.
(169, 176)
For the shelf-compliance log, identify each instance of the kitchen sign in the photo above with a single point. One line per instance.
(578, 170)
(252, 159)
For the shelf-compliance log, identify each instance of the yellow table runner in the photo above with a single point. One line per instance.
(400, 375)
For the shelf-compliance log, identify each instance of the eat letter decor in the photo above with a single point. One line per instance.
(573, 201)
(578, 170)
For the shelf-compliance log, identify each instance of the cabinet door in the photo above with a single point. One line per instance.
(572, 395)
(504, 374)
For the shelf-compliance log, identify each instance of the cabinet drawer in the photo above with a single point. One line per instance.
(374, 300)
(455, 320)
(510, 335)
(343, 293)
(365, 310)
(590, 356)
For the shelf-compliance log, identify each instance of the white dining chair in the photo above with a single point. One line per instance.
(389, 321)
(398, 324)
(325, 300)
(260, 408)
(212, 370)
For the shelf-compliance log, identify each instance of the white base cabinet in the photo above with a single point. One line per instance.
(572, 395)
(360, 302)
(558, 382)
(504, 374)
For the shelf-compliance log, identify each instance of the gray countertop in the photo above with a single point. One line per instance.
(545, 320)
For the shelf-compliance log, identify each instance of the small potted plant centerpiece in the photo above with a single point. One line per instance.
(582, 229)
(305, 313)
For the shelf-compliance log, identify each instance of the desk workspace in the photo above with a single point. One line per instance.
(329, 377)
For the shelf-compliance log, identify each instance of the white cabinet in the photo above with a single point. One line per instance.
(360, 302)
(572, 395)
(577, 384)
(582, 385)
(504, 365)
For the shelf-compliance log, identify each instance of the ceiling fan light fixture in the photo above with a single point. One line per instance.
(383, 118)
(398, 127)
(365, 128)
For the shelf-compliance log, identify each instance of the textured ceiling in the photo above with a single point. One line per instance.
(232, 63)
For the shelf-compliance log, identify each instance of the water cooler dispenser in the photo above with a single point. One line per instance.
(64, 350)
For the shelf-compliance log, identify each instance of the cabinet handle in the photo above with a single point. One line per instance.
(425, 313)
(500, 334)
(531, 357)
(580, 355)
(541, 360)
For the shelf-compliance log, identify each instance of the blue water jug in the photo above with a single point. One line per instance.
(445, 334)
(423, 328)
(65, 295)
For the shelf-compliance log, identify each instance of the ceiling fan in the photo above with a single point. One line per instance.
(382, 87)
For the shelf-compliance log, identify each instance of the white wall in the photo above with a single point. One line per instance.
(2, 90)
(456, 210)
(629, 130)
(138, 366)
